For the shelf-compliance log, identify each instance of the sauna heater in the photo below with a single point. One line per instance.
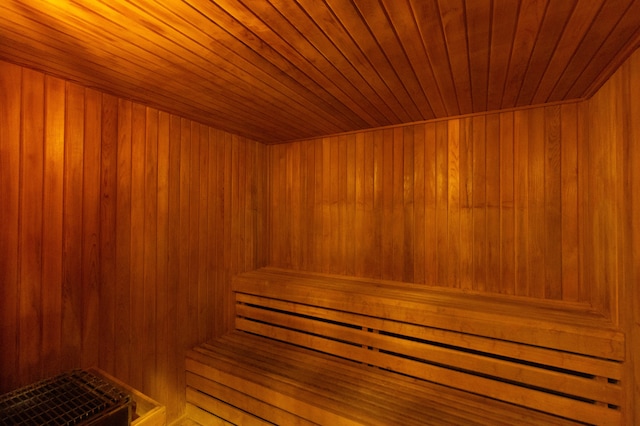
(78, 397)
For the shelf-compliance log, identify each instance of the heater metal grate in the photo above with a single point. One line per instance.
(74, 398)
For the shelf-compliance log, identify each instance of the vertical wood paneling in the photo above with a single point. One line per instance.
(72, 228)
(108, 211)
(123, 241)
(397, 203)
(493, 206)
(349, 211)
(90, 294)
(453, 205)
(466, 204)
(553, 203)
(630, 291)
(440, 226)
(335, 258)
(387, 232)
(318, 210)
(476, 203)
(308, 174)
(536, 207)
(521, 200)
(121, 226)
(293, 197)
(360, 193)
(378, 170)
(205, 237)
(610, 130)
(30, 225)
(165, 339)
(150, 275)
(570, 203)
(193, 254)
(419, 253)
(408, 247)
(10, 113)
(172, 377)
(507, 215)
(479, 237)
(137, 265)
(52, 230)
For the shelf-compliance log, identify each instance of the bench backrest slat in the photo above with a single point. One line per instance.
(451, 312)
(481, 363)
(533, 354)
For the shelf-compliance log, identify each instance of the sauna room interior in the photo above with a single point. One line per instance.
(150, 151)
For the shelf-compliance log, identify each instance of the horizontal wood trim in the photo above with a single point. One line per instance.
(148, 412)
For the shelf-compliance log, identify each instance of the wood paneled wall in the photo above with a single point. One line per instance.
(121, 224)
(120, 228)
(488, 202)
(613, 123)
(540, 202)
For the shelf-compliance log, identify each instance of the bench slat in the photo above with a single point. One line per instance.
(405, 403)
(557, 311)
(433, 397)
(258, 409)
(484, 320)
(328, 404)
(268, 389)
(533, 354)
(322, 349)
(388, 408)
(454, 358)
(491, 388)
(223, 410)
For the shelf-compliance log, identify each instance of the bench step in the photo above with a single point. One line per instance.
(249, 379)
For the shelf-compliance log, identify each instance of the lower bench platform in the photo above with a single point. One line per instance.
(317, 349)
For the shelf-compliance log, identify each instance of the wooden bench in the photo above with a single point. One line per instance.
(320, 349)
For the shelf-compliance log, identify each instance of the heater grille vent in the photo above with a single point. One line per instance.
(74, 398)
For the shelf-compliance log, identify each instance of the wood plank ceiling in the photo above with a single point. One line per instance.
(279, 70)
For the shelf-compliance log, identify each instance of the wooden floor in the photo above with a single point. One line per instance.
(196, 417)
(186, 422)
